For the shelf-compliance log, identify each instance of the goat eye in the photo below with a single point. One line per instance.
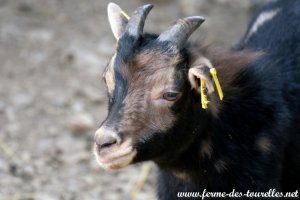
(170, 96)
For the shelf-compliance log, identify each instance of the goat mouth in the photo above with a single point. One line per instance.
(114, 159)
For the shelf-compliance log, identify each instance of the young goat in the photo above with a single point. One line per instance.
(248, 141)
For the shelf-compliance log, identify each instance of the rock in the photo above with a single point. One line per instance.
(69, 57)
(14, 169)
(53, 130)
(22, 100)
(81, 123)
(41, 35)
(60, 101)
(27, 172)
(38, 57)
(78, 106)
(26, 156)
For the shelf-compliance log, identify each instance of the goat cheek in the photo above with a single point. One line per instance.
(163, 118)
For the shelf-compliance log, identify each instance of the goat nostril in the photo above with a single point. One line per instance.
(106, 142)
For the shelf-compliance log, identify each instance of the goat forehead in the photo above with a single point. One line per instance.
(151, 61)
(141, 71)
(149, 67)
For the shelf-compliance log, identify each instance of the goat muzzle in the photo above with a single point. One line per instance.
(111, 152)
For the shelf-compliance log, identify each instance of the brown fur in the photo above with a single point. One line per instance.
(149, 77)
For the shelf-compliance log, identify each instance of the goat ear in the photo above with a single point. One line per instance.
(116, 20)
(200, 70)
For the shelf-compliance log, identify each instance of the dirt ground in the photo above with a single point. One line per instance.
(52, 97)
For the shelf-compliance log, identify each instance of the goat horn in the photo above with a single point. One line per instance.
(181, 30)
(136, 22)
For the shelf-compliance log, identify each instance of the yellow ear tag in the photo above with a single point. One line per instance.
(204, 101)
(125, 15)
(213, 72)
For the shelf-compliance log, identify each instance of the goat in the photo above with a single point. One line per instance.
(248, 141)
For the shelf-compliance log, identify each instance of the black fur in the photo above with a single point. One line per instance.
(268, 104)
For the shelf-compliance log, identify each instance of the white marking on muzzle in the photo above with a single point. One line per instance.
(116, 156)
(107, 131)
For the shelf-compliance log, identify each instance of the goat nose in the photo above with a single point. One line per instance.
(105, 142)
(106, 138)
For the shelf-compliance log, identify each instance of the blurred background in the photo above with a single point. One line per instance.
(52, 97)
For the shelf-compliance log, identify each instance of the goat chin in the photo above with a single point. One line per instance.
(115, 160)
